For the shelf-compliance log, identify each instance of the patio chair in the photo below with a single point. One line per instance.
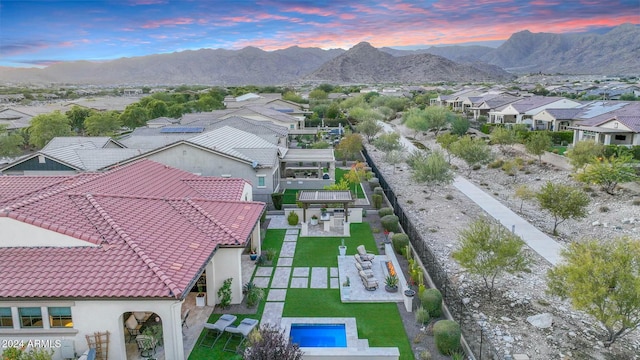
(147, 345)
(185, 317)
(364, 255)
(241, 331)
(217, 328)
(366, 264)
(369, 273)
(133, 327)
(142, 316)
(370, 283)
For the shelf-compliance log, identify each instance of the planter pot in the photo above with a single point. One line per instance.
(346, 292)
(253, 257)
(314, 222)
(342, 250)
(391, 289)
(201, 300)
(408, 299)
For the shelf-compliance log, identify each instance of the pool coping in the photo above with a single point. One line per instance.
(350, 328)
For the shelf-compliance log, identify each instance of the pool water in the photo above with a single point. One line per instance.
(319, 335)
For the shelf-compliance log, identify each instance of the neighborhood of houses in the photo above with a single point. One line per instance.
(132, 225)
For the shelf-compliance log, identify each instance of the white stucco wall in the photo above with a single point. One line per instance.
(12, 234)
(226, 263)
(91, 316)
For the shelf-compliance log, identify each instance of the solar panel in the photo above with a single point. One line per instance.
(182, 129)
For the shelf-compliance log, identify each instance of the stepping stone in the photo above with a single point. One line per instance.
(301, 272)
(290, 238)
(333, 272)
(299, 282)
(281, 278)
(292, 232)
(286, 261)
(277, 295)
(288, 249)
(318, 278)
(334, 283)
(262, 282)
(264, 271)
(272, 314)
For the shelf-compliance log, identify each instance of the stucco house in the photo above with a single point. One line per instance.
(522, 111)
(81, 253)
(609, 123)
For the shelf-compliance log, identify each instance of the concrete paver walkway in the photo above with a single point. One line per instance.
(547, 247)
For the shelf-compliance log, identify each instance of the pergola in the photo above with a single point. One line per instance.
(322, 197)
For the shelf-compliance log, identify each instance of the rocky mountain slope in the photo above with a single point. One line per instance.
(365, 64)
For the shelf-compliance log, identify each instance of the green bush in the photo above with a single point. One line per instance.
(385, 211)
(447, 335)
(293, 218)
(377, 200)
(399, 242)
(390, 223)
(378, 190)
(277, 200)
(431, 299)
(374, 183)
(422, 316)
(496, 164)
(560, 137)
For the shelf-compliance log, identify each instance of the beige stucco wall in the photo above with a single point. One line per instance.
(225, 264)
(90, 316)
(12, 234)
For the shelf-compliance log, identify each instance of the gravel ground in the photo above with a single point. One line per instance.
(442, 213)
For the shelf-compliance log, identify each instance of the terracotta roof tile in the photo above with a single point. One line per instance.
(155, 226)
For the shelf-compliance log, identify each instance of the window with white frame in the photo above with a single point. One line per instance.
(588, 135)
(30, 317)
(6, 320)
(60, 317)
(261, 181)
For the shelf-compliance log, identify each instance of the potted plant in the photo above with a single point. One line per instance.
(391, 283)
(269, 255)
(409, 293)
(346, 288)
(253, 255)
(342, 249)
(201, 298)
(314, 220)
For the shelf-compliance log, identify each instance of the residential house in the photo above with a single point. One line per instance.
(609, 123)
(16, 117)
(81, 253)
(523, 110)
(483, 105)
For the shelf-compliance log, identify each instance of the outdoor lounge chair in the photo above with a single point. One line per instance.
(241, 331)
(133, 327)
(366, 264)
(369, 273)
(146, 345)
(217, 328)
(364, 255)
(369, 283)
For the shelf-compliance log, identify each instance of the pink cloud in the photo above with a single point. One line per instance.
(168, 22)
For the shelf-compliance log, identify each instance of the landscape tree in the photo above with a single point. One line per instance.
(563, 202)
(318, 94)
(583, 153)
(538, 143)
(45, 127)
(609, 172)
(472, 151)
(134, 116)
(488, 249)
(102, 124)
(10, 143)
(356, 175)
(350, 146)
(446, 140)
(437, 117)
(157, 108)
(601, 278)
(388, 141)
(504, 138)
(523, 192)
(369, 127)
(416, 120)
(459, 125)
(270, 343)
(77, 116)
(432, 169)
(333, 112)
(394, 157)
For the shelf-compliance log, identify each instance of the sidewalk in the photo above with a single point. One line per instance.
(547, 247)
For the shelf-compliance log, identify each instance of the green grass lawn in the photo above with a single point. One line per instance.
(380, 323)
(561, 149)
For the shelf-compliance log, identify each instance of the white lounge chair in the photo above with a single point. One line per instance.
(241, 331)
(217, 328)
(364, 255)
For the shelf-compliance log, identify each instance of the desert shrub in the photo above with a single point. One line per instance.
(399, 242)
(604, 209)
(293, 218)
(409, 201)
(431, 299)
(377, 200)
(374, 183)
(378, 190)
(425, 355)
(390, 222)
(477, 167)
(560, 137)
(447, 336)
(277, 200)
(449, 197)
(385, 211)
(495, 164)
(587, 188)
(422, 316)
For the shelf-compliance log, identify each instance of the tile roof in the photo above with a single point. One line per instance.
(95, 142)
(239, 144)
(533, 102)
(149, 231)
(563, 114)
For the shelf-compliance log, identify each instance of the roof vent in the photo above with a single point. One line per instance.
(254, 164)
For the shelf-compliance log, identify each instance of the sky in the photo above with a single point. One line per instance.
(41, 33)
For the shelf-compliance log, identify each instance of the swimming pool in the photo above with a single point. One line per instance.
(319, 335)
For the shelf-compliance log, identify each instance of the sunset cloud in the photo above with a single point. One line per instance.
(93, 29)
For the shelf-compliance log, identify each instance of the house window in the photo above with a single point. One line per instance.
(620, 137)
(60, 317)
(261, 181)
(41, 159)
(30, 317)
(588, 135)
(292, 126)
(6, 321)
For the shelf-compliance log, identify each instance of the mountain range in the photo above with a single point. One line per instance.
(612, 53)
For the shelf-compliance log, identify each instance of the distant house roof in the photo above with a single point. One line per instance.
(148, 231)
(563, 114)
(95, 142)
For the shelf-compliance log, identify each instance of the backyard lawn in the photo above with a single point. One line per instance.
(380, 323)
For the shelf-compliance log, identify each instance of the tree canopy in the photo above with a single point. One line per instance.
(563, 202)
(538, 143)
(472, 150)
(583, 153)
(45, 127)
(609, 172)
(10, 143)
(102, 124)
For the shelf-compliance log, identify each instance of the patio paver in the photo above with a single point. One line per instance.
(264, 271)
(281, 278)
(319, 278)
(333, 272)
(272, 314)
(299, 282)
(334, 283)
(288, 249)
(291, 237)
(285, 261)
(260, 281)
(301, 272)
(277, 295)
